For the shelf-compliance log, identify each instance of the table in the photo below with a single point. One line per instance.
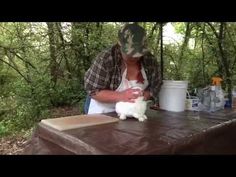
(163, 133)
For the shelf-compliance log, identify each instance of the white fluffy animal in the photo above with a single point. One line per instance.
(136, 109)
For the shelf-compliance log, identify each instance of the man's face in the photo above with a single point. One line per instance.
(129, 58)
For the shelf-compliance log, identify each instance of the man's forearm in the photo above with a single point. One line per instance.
(108, 96)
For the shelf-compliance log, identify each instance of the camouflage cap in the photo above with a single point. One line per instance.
(132, 39)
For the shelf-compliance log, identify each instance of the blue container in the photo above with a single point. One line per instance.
(228, 103)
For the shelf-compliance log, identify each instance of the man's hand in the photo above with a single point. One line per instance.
(129, 95)
(110, 96)
(146, 95)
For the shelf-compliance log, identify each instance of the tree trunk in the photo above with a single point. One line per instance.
(152, 30)
(203, 56)
(52, 47)
(158, 39)
(224, 59)
(63, 50)
(234, 47)
(77, 49)
(183, 47)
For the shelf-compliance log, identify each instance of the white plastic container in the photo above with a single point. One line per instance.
(172, 96)
(234, 97)
(192, 103)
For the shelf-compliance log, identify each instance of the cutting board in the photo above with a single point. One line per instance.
(79, 121)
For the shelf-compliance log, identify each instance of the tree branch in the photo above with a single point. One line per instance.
(18, 56)
(28, 81)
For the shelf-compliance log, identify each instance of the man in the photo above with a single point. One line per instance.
(124, 72)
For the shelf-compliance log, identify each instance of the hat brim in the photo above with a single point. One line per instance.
(136, 55)
(140, 54)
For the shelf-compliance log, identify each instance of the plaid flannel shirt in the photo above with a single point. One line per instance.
(105, 72)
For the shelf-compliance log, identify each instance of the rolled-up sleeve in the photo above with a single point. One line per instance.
(154, 76)
(97, 76)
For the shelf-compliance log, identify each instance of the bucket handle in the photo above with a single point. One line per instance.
(188, 94)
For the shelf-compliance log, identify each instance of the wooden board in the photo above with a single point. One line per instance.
(73, 122)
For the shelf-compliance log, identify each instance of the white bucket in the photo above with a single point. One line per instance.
(172, 95)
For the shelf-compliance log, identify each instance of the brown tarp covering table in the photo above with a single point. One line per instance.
(163, 133)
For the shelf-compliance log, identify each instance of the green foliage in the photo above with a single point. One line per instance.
(29, 103)
(67, 94)
(3, 129)
(179, 27)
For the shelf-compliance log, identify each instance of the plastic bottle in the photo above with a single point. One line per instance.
(219, 93)
(212, 99)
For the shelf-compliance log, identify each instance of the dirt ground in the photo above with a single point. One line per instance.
(14, 144)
